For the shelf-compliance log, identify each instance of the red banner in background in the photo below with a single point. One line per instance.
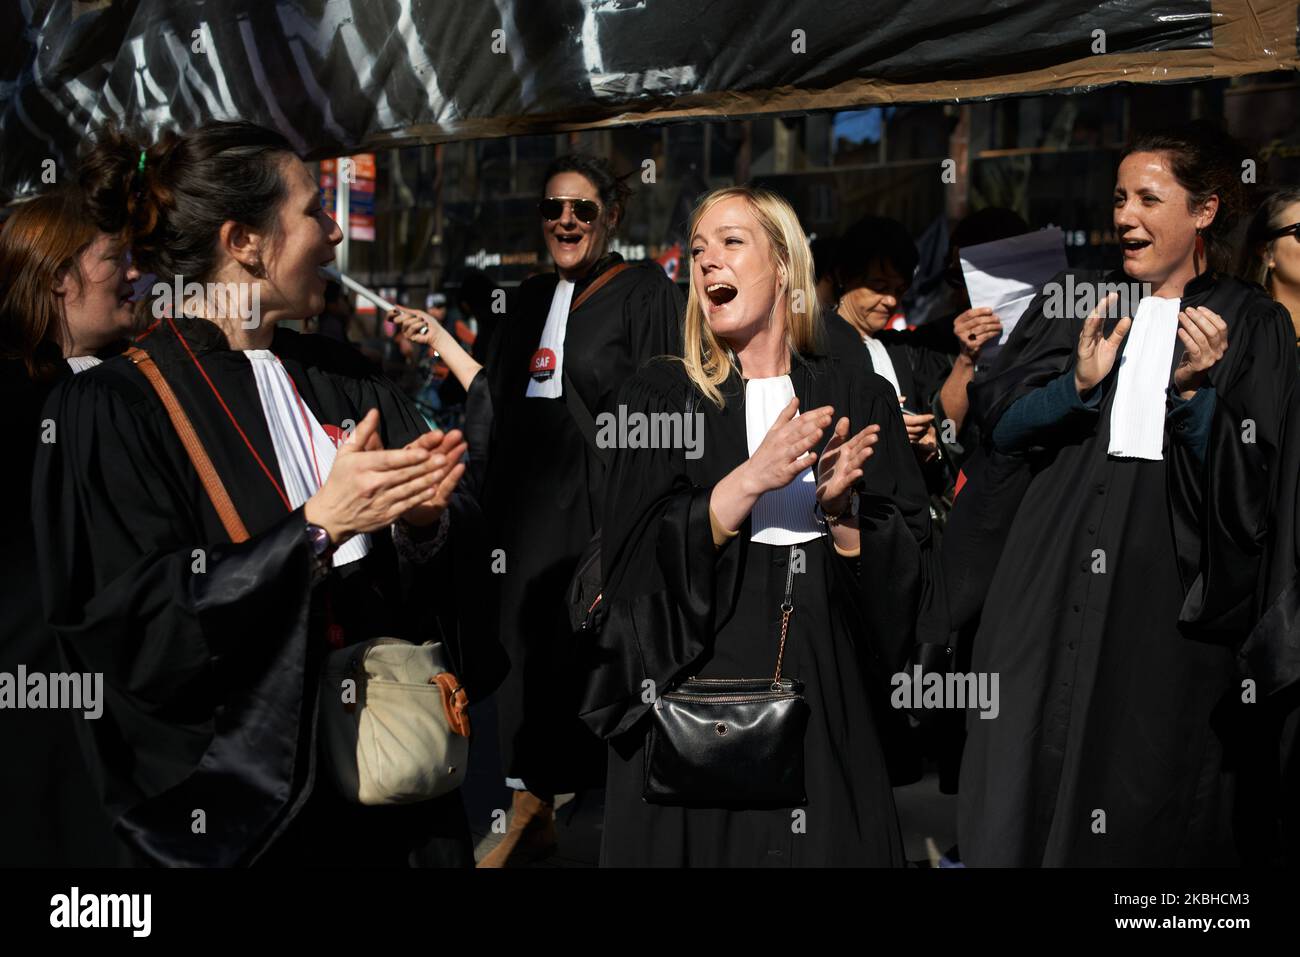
(360, 173)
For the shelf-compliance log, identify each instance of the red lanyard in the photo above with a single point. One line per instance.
(302, 410)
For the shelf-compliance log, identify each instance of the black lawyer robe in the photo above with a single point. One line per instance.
(1118, 685)
(919, 367)
(544, 496)
(678, 606)
(1271, 658)
(211, 650)
(50, 815)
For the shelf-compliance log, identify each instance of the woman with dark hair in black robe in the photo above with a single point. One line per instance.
(211, 651)
(705, 542)
(571, 339)
(1150, 433)
(874, 264)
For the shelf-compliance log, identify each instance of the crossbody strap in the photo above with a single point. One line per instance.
(577, 408)
(198, 455)
(582, 416)
(597, 284)
(787, 606)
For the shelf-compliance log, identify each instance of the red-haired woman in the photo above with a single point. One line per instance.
(65, 295)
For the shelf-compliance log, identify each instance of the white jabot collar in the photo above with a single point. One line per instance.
(782, 516)
(542, 385)
(882, 363)
(1137, 416)
(301, 445)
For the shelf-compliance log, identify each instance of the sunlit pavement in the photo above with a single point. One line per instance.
(923, 812)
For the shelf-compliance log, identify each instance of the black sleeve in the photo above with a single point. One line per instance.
(652, 316)
(449, 590)
(665, 584)
(901, 593)
(478, 433)
(400, 421)
(202, 644)
(1222, 506)
(930, 370)
(1271, 654)
(1038, 350)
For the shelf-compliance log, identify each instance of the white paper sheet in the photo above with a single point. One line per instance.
(1006, 275)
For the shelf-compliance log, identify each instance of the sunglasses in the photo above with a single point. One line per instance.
(552, 208)
(1292, 230)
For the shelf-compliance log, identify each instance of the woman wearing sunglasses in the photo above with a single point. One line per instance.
(1271, 256)
(1272, 251)
(571, 339)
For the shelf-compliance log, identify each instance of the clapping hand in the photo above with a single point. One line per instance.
(447, 450)
(841, 464)
(786, 449)
(1205, 340)
(1095, 354)
(370, 487)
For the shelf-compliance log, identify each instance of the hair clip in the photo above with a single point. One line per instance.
(140, 166)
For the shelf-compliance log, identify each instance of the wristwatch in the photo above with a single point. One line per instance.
(850, 508)
(322, 549)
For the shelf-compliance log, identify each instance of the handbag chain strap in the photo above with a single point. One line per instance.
(787, 606)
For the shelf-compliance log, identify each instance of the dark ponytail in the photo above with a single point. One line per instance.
(1206, 162)
(173, 196)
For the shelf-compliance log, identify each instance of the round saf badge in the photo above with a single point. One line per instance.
(542, 365)
(337, 435)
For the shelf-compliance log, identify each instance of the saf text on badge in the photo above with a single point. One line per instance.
(542, 365)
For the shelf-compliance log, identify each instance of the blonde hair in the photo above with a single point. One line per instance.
(708, 362)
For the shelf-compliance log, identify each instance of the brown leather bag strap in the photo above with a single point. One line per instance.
(598, 283)
(230, 519)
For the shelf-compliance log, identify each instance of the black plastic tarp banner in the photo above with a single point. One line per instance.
(337, 76)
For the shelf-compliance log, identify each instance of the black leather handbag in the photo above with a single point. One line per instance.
(730, 742)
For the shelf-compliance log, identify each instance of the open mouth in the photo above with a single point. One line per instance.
(565, 239)
(1132, 245)
(720, 292)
